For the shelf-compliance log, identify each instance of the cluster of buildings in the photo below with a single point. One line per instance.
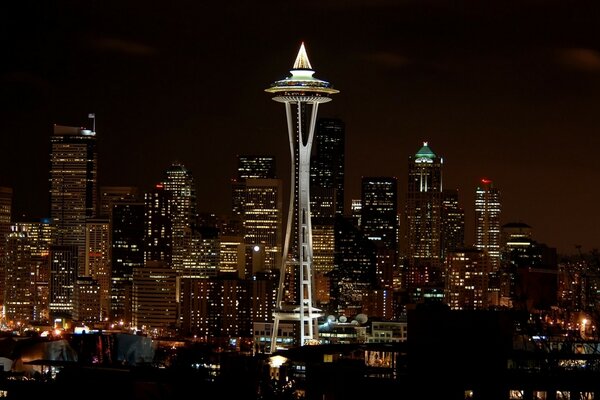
(149, 261)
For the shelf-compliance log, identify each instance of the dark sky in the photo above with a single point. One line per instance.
(508, 90)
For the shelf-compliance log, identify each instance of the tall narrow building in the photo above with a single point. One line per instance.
(328, 166)
(453, 222)
(6, 195)
(97, 262)
(179, 183)
(110, 195)
(379, 218)
(487, 214)
(423, 219)
(73, 195)
(127, 253)
(488, 236)
(158, 225)
(263, 218)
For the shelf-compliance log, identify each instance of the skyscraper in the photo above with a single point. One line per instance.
(73, 174)
(179, 182)
(97, 262)
(453, 222)
(328, 166)
(466, 280)
(423, 218)
(158, 225)
(379, 219)
(263, 218)
(20, 283)
(127, 253)
(301, 94)
(487, 214)
(6, 195)
(249, 167)
(39, 238)
(110, 195)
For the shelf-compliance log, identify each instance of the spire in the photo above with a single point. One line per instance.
(302, 59)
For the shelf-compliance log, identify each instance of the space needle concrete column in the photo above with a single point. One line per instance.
(301, 94)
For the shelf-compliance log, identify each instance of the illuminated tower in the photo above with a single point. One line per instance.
(73, 195)
(301, 93)
(487, 211)
(423, 218)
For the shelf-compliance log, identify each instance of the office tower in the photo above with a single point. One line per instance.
(423, 219)
(301, 94)
(354, 274)
(453, 222)
(63, 276)
(110, 195)
(466, 279)
(379, 223)
(97, 261)
(154, 297)
(263, 218)
(201, 256)
(73, 194)
(87, 306)
(38, 236)
(249, 167)
(215, 308)
(6, 195)
(487, 214)
(514, 233)
(158, 225)
(20, 279)
(328, 168)
(127, 253)
(356, 211)
(179, 182)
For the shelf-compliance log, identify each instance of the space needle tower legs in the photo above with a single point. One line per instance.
(301, 93)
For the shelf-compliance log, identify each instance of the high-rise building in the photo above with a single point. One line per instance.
(39, 238)
(73, 193)
(263, 218)
(154, 298)
(356, 211)
(6, 195)
(249, 167)
(466, 280)
(379, 223)
(86, 300)
(487, 214)
(354, 274)
(423, 219)
(201, 258)
(127, 253)
(453, 222)
(301, 93)
(97, 261)
(179, 182)
(158, 225)
(328, 166)
(19, 293)
(73, 199)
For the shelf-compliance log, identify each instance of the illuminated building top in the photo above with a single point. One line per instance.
(425, 154)
(302, 81)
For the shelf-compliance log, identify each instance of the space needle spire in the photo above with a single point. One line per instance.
(301, 94)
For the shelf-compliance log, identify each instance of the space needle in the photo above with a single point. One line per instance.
(301, 93)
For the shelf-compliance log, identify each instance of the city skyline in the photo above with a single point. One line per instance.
(500, 92)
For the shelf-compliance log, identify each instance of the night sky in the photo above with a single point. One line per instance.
(508, 90)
